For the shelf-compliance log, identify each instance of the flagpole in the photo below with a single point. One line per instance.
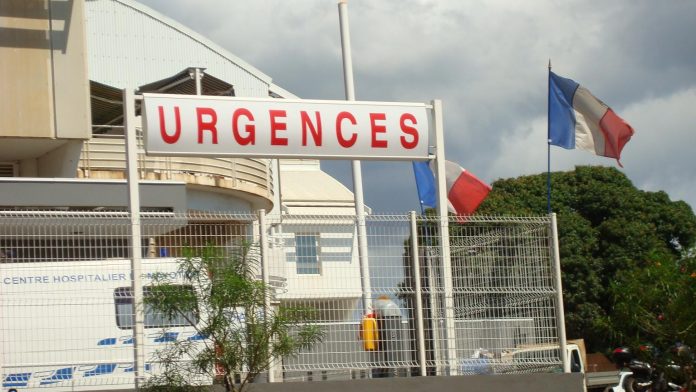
(418, 189)
(548, 141)
(357, 169)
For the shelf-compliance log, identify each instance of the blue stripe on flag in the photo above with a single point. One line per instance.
(561, 113)
(425, 183)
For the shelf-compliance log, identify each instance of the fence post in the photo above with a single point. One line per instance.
(265, 276)
(560, 313)
(420, 331)
(136, 263)
(434, 303)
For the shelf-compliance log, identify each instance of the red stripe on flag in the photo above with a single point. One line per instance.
(616, 134)
(467, 193)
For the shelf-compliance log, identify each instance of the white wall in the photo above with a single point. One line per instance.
(338, 258)
(61, 162)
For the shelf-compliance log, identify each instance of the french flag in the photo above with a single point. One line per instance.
(577, 119)
(465, 191)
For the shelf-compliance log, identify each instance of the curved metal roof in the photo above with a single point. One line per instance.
(130, 45)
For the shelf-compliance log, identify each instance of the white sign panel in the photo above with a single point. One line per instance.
(275, 128)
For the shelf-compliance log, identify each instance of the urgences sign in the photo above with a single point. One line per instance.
(277, 128)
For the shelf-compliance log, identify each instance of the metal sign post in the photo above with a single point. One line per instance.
(442, 203)
(134, 212)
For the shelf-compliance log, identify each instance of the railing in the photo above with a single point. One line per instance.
(104, 156)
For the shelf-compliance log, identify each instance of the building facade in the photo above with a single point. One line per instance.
(64, 68)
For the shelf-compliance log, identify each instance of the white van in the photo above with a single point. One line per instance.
(67, 326)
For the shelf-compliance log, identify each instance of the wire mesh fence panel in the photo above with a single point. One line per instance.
(208, 237)
(59, 272)
(504, 295)
(319, 257)
(66, 299)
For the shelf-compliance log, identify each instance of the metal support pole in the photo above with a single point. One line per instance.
(265, 275)
(345, 48)
(420, 330)
(357, 169)
(136, 262)
(442, 203)
(434, 303)
(560, 313)
(197, 75)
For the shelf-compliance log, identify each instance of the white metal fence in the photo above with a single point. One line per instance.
(65, 299)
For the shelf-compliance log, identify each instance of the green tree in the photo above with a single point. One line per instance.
(655, 304)
(222, 298)
(606, 227)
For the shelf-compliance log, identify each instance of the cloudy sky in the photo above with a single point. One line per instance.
(487, 61)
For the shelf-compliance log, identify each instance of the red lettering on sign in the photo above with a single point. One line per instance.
(170, 139)
(408, 130)
(277, 126)
(315, 128)
(206, 125)
(377, 128)
(250, 129)
(339, 131)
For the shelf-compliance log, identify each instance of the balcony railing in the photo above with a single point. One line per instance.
(104, 156)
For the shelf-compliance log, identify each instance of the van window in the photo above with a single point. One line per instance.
(575, 361)
(123, 300)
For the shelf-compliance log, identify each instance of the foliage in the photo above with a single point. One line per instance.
(242, 336)
(655, 304)
(607, 228)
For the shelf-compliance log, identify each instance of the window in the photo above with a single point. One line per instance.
(575, 366)
(306, 254)
(123, 299)
(8, 169)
